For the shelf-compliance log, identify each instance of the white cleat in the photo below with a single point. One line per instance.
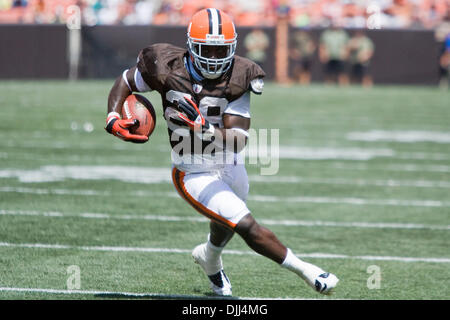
(325, 282)
(219, 282)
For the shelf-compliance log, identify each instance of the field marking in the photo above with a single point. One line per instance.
(117, 146)
(317, 255)
(150, 295)
(346, 181)
(84, 192)
(51, 173)
(281, 222)
(283, 152)
(45, 191)
(422, 156)
(410, 136)
(326, 153)
(352, 201)
(403, 167)
(257, 198)
(155, 175)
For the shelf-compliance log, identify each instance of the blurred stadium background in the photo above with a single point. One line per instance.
(358, 89)
(408, 39)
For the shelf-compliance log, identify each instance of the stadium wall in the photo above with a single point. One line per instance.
(33, 51)
(41, 51)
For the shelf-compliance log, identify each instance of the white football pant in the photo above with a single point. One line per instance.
(219, 194)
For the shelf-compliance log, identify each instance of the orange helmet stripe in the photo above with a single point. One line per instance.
(211, 21)
(215, 21)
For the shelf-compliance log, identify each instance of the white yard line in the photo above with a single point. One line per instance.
(155, 175)
(150, 295)
(352, 201)
(330, 153)
(46, 191)
(381, 225)
(82, 192)
(422, 156)
(52, 173)
(273, 222)
(410, 136)
(233, 252)
(71, 146)
(257, 198)
(346, 181)
(284, 152)
(402, 167)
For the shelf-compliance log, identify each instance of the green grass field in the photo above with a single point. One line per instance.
(363, 180)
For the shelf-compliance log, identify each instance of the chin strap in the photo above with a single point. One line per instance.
(191, 70)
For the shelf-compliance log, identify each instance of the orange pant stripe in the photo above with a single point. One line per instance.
(178, 180)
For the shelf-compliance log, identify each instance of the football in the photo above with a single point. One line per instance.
(138, 107)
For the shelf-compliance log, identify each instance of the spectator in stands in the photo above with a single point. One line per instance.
(400, 13)
(256, 44)
(318, 13)
(360, 49)
(333, 54)
(40, 12)
(301, 54)
(19, 3)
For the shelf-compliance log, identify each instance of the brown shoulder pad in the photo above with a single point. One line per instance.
(157, 61)
(244, 72)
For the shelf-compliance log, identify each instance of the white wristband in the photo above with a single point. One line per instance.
(112, 115)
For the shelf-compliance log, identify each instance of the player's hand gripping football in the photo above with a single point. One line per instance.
(120, 128)
(193, 118)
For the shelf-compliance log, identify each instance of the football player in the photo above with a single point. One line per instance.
(205, 91)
